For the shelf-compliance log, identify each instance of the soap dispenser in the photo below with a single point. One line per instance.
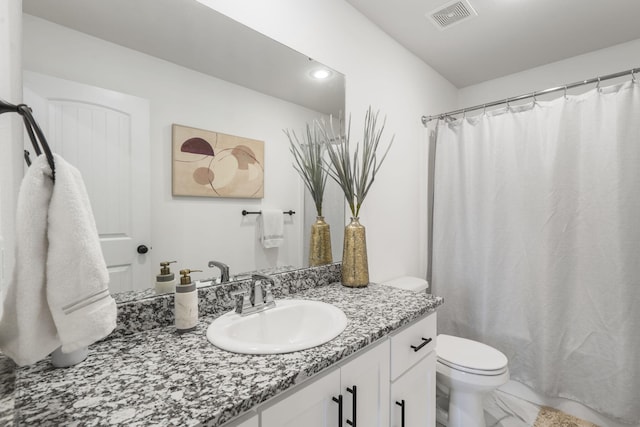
(186, 303)
(166, 280)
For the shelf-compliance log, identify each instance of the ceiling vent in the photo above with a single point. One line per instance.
(451, 13)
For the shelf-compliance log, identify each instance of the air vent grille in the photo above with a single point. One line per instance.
(451, 13)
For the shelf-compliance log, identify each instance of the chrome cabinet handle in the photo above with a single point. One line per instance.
(338, 400)
(354, 391)
(402, 406)
(425, 341)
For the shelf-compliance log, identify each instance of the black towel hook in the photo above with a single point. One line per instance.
(33, 130)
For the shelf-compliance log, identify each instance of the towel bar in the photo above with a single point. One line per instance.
(246, 212)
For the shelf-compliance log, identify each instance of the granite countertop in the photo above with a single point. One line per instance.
(7, 390)
(159, 377)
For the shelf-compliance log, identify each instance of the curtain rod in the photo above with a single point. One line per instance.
(426, 119)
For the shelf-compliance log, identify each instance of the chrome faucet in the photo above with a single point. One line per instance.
(224, 270)
(258, 298)
(261, 292)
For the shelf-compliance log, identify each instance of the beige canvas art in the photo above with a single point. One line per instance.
(213, 164)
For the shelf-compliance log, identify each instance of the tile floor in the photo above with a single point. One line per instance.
(505, 410)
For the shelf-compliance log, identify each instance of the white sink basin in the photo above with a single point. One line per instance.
(291, 325)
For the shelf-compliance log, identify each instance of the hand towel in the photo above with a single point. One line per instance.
(27, 330)
(77, 277)
(272, 234)
(59, 293)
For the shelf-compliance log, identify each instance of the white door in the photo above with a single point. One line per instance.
(105, 134)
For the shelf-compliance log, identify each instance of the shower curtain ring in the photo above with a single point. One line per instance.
(565, 92)
(484, 109)
(534, 98)
(508, 105)
(464, 113)
(633, 75)
(598, 84)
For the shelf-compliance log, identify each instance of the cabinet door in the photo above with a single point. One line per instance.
(416, 389)
(367, 379)
(310, 406)
(245, 421)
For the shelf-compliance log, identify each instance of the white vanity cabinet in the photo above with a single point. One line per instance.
(413, 375)
(318, 404)
(400, 368)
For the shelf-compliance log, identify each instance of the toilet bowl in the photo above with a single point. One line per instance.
(467, 368)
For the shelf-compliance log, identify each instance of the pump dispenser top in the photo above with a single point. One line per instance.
(166, 280)
(164, 267)
(186, 279)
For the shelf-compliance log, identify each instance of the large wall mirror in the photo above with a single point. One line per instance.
(107, 80)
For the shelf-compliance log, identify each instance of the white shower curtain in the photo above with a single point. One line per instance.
(537, 242)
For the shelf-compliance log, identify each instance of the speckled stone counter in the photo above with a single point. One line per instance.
(157, 377)
(7, 390)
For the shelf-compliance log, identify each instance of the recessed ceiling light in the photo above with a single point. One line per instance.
(321, 74)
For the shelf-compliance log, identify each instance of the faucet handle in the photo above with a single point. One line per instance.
(243, 301)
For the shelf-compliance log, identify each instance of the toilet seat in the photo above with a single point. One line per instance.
(473, 371)
(470, 356)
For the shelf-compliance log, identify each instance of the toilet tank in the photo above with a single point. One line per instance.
(409, 283)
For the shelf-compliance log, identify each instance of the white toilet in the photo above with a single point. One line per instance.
(467, 368)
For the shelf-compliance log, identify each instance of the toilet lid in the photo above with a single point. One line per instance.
(469, 356)
(409, 283)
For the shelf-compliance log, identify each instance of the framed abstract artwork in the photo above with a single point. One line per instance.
(213, 164)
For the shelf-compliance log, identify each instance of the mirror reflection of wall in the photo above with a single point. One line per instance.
(192, 230)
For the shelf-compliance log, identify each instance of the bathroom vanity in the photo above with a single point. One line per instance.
(147, 374)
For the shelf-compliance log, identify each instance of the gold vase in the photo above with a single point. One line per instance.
(355, 267)
(320, 244)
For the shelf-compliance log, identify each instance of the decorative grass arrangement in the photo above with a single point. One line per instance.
(354, 175)
(308, 162)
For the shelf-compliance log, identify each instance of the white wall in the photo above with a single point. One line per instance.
(190, 229)
(597, 63)
(381, 73)
(10, 132)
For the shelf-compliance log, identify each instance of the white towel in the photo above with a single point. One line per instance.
(27, 331)
(272, 234)
(59, 294)
(77, 276)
